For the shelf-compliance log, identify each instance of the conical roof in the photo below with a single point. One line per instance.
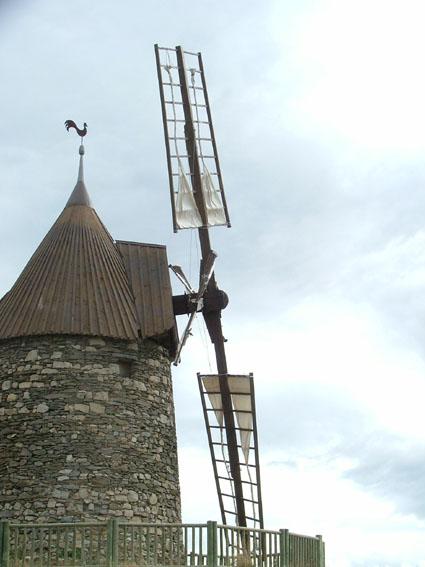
(75, 282)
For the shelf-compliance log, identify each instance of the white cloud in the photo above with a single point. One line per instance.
(361, 61)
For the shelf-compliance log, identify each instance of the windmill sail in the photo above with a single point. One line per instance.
(187, 214)
(213, 203)
(197, 197)
(212, 388)
(240, 391)
(241, 388)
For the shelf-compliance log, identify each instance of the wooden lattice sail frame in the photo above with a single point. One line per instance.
(192, 156)
(241, 388)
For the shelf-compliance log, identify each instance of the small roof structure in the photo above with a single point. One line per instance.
(80, 282)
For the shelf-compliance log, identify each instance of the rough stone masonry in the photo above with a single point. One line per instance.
(87, 430)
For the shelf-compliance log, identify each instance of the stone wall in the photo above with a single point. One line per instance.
(87, 431)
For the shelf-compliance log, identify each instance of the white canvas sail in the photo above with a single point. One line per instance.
(187, 214)
(213, 201)
(211, 385)
(240, 388)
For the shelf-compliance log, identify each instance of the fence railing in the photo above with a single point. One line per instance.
(119, 544)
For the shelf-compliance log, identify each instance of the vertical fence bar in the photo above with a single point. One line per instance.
(321, 546)
(1, 543)
(5, 543)
(115, 542)
(110, 543)
(162, 545)
(139, 547)
(284, 548)
(212, 544)
(57, 535)
(74, 545)
(125, 559)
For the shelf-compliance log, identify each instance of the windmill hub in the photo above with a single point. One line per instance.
(212, 301)
(215, 301)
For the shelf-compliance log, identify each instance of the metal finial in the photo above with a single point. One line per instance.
(79, 196)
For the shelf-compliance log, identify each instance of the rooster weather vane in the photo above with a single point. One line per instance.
(81, 132)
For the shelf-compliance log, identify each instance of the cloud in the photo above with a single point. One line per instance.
(392, 278)
(391, 467)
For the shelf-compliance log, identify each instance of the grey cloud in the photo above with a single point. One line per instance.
(392, 468)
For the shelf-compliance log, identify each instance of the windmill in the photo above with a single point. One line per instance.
(198, 202)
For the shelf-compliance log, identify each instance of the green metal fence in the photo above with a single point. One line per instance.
(119, 544)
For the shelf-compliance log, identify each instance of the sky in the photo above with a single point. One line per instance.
(319, 118)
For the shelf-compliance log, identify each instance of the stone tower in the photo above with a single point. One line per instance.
(87, 426)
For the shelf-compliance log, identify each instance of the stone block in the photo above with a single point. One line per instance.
(120, 498)
(42, 408)
(96, 408)
(32, 356)
(103, 396)
(81, 407)
(132, 496)
(61, 364)
(97, 341)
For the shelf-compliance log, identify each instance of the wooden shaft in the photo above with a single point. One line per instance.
(192, 148)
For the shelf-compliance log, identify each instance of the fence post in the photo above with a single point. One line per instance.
(109, 544)
(112, 543)
(115, 547)
(212, 544)
(284, 547)
(1, 544)
(321, 554)
(4, 543)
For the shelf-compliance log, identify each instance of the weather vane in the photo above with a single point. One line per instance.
(81, 132)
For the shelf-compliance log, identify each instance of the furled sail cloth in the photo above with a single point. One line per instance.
(187, 214)
(240, 390)
(212, 386)
(213, 201)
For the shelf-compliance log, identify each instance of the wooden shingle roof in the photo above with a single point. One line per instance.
(146, 266)
(79, 282)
